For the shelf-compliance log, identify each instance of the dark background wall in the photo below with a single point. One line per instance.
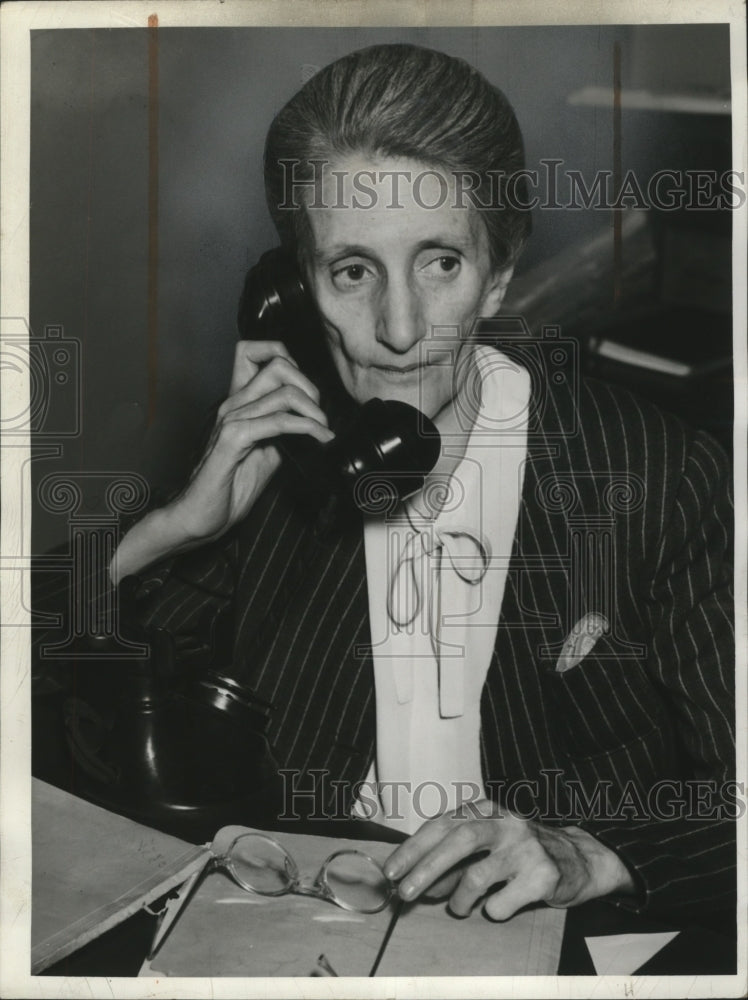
(218, 90)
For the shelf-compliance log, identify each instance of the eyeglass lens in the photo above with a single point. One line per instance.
(352, 879)
(262, 865)
(356, 882)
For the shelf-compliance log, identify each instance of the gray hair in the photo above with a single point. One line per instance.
(408, 102)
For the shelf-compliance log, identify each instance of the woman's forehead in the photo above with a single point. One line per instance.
(361, 180)
(383, 200)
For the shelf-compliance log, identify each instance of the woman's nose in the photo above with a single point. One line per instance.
(400, 323)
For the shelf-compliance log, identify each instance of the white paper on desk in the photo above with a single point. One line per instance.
(622, 954)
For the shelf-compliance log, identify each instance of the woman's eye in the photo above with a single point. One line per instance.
(349, 275)
(439, 267)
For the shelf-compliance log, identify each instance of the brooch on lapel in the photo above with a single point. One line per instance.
(580, 640)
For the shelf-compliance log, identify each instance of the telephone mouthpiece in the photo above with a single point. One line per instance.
(385, 454)
(381, 456)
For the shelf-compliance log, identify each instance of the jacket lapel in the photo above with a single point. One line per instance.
(303, 642)
(517, 735)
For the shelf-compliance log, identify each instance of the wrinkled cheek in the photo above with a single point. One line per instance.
(340, 347)
(453, 311)
(344, 369)
(349, 337)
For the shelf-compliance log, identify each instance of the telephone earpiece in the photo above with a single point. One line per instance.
(383, 450)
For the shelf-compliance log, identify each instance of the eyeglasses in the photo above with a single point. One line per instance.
(348, 878)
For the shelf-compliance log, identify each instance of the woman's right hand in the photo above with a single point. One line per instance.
(268, 396)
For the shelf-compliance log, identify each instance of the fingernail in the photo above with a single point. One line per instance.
(392, 871)
(407, 890)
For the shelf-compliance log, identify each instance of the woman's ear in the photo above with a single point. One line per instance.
(496, 291)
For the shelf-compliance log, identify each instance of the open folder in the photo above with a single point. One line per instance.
(226, 931)
(93, 869)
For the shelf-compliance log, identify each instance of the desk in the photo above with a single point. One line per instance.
(706, 949)
(695, 950)
(92, 869)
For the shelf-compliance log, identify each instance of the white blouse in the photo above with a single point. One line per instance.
(435, 591)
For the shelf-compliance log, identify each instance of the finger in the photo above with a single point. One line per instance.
(286, 398)
(477, 879)
(530, 885)
(445, 886)
(238, 437)
(459, 844)
(250, 356)
(276, 373)
(429, 835)
(407, 854)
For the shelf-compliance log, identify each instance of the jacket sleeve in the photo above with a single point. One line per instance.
(685, 859)
(186, 595)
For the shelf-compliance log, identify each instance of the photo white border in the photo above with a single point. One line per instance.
(16, 22)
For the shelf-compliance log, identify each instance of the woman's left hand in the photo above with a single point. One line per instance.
(481, 851)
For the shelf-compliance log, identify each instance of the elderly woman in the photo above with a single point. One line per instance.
(534, 635)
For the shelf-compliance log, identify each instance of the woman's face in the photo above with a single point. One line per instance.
(398, 283)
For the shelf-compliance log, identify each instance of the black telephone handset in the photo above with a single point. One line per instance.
(384, 449)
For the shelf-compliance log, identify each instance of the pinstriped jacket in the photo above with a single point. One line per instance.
(626, 512)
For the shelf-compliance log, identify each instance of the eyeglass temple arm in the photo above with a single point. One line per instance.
(175, 906)
(397, 909)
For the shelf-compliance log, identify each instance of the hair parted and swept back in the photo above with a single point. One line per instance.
(409, 102)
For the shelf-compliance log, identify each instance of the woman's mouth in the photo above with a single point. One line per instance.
(399, 370)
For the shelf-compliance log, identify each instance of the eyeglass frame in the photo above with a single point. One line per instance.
(298, 887)
(318, 888)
